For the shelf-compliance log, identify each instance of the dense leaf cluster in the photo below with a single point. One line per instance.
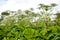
(24, 32)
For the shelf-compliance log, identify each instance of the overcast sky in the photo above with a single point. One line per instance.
(25, 4)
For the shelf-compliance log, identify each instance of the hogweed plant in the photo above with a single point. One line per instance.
(28, 25)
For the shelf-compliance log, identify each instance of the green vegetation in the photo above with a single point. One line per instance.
(29, 25)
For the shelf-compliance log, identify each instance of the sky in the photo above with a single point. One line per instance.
(25, 4)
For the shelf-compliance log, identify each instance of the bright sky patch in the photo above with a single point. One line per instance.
(24, 4)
